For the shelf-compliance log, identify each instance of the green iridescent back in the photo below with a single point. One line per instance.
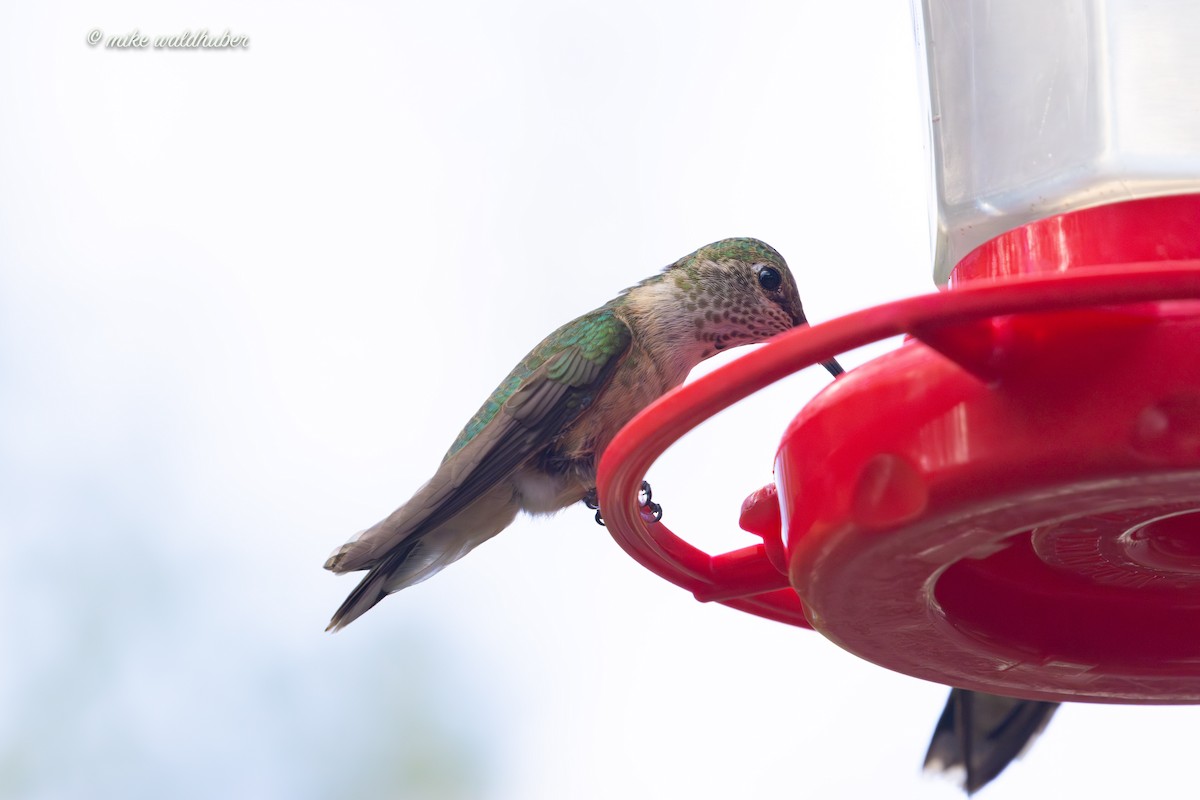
(599, 335)
(602, 336)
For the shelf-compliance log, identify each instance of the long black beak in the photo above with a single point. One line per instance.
(832, 365)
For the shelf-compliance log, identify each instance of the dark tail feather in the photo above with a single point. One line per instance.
(374, 587)
(369, 591)
(982, 734)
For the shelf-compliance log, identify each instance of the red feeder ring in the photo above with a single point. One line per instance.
(1009, 502)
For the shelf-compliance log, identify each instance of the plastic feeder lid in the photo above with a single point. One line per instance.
(1009, 502)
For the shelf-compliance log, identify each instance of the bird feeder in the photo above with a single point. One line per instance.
(1008, 502)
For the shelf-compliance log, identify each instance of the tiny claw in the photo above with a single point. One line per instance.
(649, 508)
(653, 510)
(590, 500)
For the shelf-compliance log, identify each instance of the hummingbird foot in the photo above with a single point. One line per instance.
(591, 501)
(650, 509)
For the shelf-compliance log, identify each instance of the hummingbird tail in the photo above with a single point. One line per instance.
(400, 555)
(981, 734)
(378, 584)
(364, 597)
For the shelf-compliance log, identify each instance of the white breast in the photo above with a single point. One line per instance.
(540, 493)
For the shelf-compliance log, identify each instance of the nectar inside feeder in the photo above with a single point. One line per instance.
(1023, 517)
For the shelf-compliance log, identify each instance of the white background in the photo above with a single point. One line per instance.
(247, 299)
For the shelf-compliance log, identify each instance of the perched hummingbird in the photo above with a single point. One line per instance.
(980, 734)
(535, 443)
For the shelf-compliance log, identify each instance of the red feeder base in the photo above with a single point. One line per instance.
(1036, 535)
(1010, 502)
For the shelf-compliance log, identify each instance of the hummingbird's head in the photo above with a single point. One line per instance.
(731, 292)
(736, 291)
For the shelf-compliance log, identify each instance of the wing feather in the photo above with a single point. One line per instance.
(546, 402)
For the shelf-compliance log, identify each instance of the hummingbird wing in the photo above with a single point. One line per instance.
(982, 734)
(550, 398)
(540, 399)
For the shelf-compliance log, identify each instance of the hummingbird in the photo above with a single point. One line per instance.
(980, 734)
(535, 443)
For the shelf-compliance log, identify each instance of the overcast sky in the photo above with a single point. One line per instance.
(249, 296)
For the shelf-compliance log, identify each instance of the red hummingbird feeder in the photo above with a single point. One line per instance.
(1009, 502)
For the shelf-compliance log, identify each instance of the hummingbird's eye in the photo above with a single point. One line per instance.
(770, 279)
